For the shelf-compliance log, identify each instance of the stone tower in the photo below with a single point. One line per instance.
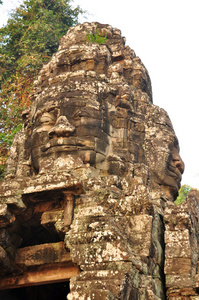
(89, 178)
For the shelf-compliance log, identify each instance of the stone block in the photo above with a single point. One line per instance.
(176, 236)
(178, 249)
(178, 266)
(52, 216)
(176, 220)
(42, 254)
(179, 281)
(7, 266)
(7, 242)
(6, 218)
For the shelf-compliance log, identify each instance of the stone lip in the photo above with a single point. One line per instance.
(68, 144)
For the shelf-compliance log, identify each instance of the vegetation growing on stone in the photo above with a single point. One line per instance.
(183, 192)
(96, 37)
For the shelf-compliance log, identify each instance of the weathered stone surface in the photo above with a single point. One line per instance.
(178, 265)
(94, 169)
(181, 250)
(6, 218)
(6, 243)
(6, 264)
(179, 281)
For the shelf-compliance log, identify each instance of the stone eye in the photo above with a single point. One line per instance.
(47, 118)
(77, 114)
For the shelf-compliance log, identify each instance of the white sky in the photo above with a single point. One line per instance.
(164, 34)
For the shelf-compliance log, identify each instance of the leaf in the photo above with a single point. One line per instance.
(182, 194)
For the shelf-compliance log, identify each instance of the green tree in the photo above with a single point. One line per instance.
(182, 194)
(28, 41)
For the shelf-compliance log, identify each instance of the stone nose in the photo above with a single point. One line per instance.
(62, 128)
(178, 162)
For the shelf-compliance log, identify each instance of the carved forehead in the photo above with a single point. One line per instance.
(67, 107)
(91, 69)
(157, 119)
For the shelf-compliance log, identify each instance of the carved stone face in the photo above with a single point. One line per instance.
(167, 165)
(163, 158)
(68, 129)
(96, 108)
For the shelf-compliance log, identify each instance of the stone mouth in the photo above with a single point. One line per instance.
(68, 144)
(176, 173)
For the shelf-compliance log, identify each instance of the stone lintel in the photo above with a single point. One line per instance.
(42, 254)
(41, 183)
(45, 275)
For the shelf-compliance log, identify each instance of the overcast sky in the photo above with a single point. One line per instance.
(164, 34)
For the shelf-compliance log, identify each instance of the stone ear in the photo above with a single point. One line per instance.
(26, 116)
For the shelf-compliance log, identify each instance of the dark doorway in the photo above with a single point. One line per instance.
(53, 291)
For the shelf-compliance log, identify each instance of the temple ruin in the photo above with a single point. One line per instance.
(87, 206)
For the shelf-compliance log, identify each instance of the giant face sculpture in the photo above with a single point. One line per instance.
(68, 129)
(92, 116)
(162, 152)
(92, 103)
(77, 113)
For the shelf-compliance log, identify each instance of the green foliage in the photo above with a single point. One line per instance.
(96, 37)
(184, 190)
(2, 172)
(32, 34)
(28, 41)
(8, 138)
